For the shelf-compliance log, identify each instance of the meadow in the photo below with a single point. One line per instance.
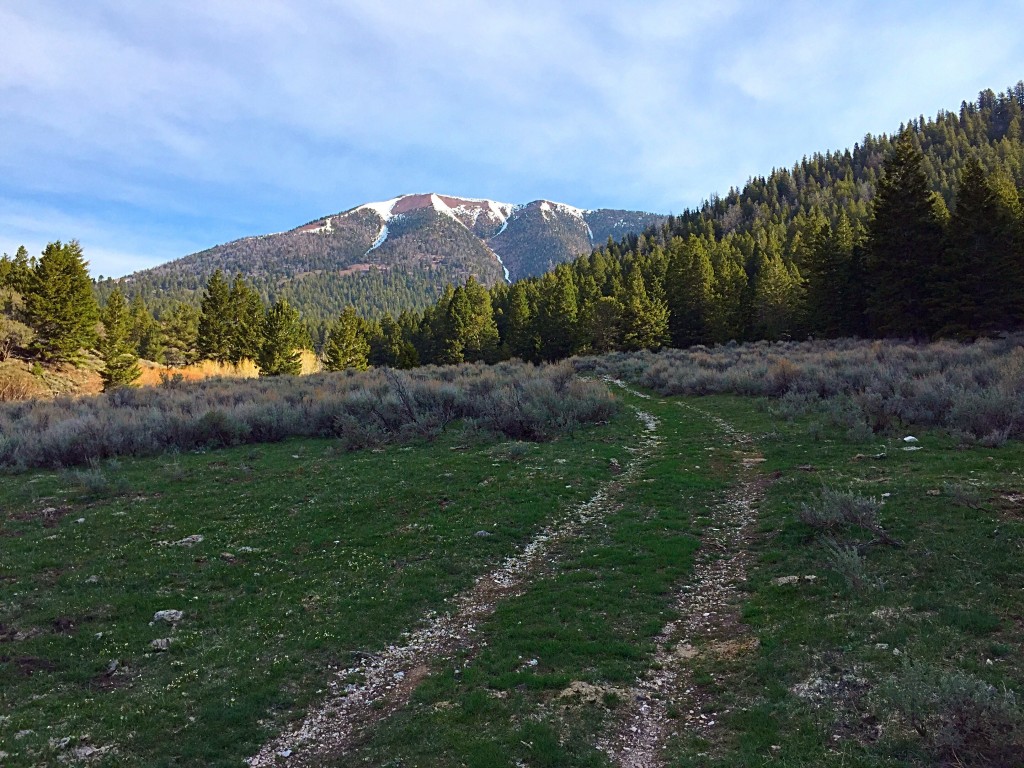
(871, 616)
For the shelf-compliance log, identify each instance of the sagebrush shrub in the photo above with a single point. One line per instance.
(960, 719)
(514, 399)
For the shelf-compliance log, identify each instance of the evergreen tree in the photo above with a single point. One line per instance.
(392, 346)
(245, 315)
(59, 303)
(690, 289)
(905, 247)
(282, 338)
(144, 335)
(216, 321)
(519, 340)
(556, 316)
(481, 333)
(980, 289)
(16, 273)
(777, 297)
(601, 325)
(180, 331)
(121, 366)
(644, 320)
(347, 346)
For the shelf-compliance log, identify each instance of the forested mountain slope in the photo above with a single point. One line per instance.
(393, 255)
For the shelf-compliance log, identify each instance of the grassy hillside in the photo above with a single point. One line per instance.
(727, 579)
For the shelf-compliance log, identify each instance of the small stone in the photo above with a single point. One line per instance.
(482, 534)
(227, 557)
(934, 492)
(23, 734)
(161, 644)
(781, 581)
(285, 752)
(92, 580)
(399, 675)
(171, 616)
(80, 520)
(910, 439)
(189, 541)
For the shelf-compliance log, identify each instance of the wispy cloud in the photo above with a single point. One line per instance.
(156, 126)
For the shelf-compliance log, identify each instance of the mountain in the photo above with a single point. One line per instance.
(394, 255)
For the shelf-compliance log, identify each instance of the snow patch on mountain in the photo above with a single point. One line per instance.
(382, 209)
(508, 277)
(381, 237)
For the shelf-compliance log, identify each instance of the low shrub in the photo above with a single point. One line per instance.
(975, 390)
(959, 719)
(515, 400)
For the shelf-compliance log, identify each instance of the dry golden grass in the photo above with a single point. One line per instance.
(206, 369)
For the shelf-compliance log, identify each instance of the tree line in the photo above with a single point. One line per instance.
(917, 236)
(49, 312)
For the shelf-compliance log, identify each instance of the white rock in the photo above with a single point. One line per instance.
(161, 644)
(909, 439)
(171, 615)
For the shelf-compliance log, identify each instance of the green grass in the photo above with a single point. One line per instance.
(591, 620)
(309, 554)
(948, 599)
(349, 550)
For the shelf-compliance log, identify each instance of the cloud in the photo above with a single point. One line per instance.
(166, 124)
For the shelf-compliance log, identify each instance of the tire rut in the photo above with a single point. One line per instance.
(709, 625)
(340, 721)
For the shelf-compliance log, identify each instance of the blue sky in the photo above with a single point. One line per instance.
(149, 130)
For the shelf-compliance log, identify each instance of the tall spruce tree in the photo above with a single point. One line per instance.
(282, 338)
(906, 241)
(59, 302)
(216, 321)
(245, 316)
(121, 366)
(644, 320)
(347, 347)
(180, 331)
(690, 289)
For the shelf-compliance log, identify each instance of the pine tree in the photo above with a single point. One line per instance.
(980, 280)
(690, 289)
(481, 336)
(392, 346)
(905, 247)
(282, 336)
(121, 367)
(216, 321)
(519, 340)
(777, 297)
(144, 335)
(644, 320)
(601, 325)
(245, 315)
(557, 311)
(180, 331)
(347, 346)
(59, 303)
